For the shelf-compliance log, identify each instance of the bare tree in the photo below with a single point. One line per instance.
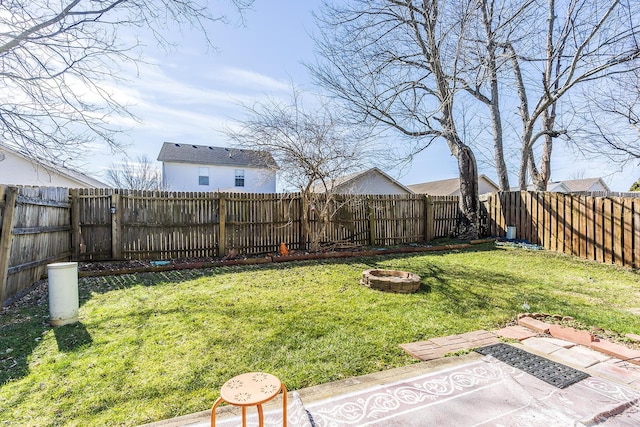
(56, 57)
(313, 147)
(140, 174)
(607, 119)
(497, 22)
(398, 64)
(585, 42)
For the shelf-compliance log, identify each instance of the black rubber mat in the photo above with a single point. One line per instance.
(551, 372)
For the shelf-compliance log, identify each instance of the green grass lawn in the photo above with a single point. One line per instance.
(158, 345)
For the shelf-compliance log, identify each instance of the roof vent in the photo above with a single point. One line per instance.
(177, 145)
(194, 146)
(210, 148)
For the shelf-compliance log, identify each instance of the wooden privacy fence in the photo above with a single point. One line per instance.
(44, 225)
(127, 224)
(603, 229)
(35, 231)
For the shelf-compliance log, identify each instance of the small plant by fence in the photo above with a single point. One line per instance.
(112, 224)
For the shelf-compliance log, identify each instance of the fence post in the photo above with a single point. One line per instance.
(429, 219)
(116, 226)
(372, 222)
(74, 199)
(6, 234)
(222, 219)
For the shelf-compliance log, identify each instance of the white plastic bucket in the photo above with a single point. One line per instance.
(511, 232)
(63, 293)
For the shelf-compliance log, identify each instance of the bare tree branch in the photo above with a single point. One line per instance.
(313, 146)
(57, 59)
(140, 174)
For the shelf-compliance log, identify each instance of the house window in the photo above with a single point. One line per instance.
(203, 176)
(239, 177)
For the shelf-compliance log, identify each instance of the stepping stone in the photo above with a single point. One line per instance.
(576, 357)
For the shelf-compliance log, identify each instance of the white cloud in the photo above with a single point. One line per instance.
(236, 77)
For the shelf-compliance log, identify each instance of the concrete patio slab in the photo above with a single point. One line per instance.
(511, 398)
(481, 392)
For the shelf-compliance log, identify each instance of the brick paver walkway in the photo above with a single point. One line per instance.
(436, 348)
(570, 346)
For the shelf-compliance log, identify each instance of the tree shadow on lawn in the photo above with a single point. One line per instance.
(466, 290)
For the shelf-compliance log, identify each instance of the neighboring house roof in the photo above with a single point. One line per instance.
(552, 187)
(443, 187)
(586, 184)
(573, 186)
(207, 155)
(347, 183)
(80, 178)
(448, 187)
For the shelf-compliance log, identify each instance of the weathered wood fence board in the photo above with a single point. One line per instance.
(43, 225)
(603, 229)
(35, 232)
(123, 224)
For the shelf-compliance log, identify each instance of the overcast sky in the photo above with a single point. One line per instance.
(188, 94)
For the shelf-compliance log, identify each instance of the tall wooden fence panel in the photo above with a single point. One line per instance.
(603, 229)
(35, 232)
(341, 221)
(259, 223)
(398, 219)
(134, 224)
(446, 215)
(126, 224)
(91, 224)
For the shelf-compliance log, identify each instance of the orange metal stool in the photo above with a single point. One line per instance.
(251, 389)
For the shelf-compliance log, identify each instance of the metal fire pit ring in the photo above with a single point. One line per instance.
(396, 281)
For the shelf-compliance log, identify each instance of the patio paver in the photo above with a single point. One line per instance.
(546, 345)
(516, 332)
(438, 347)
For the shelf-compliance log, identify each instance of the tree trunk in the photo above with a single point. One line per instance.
(526, 153)
(469, 202)
(494, 101)
(496, 122)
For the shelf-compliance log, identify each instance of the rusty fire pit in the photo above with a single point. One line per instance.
(400, 282)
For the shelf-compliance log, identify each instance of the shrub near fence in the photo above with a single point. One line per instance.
(603, 229)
